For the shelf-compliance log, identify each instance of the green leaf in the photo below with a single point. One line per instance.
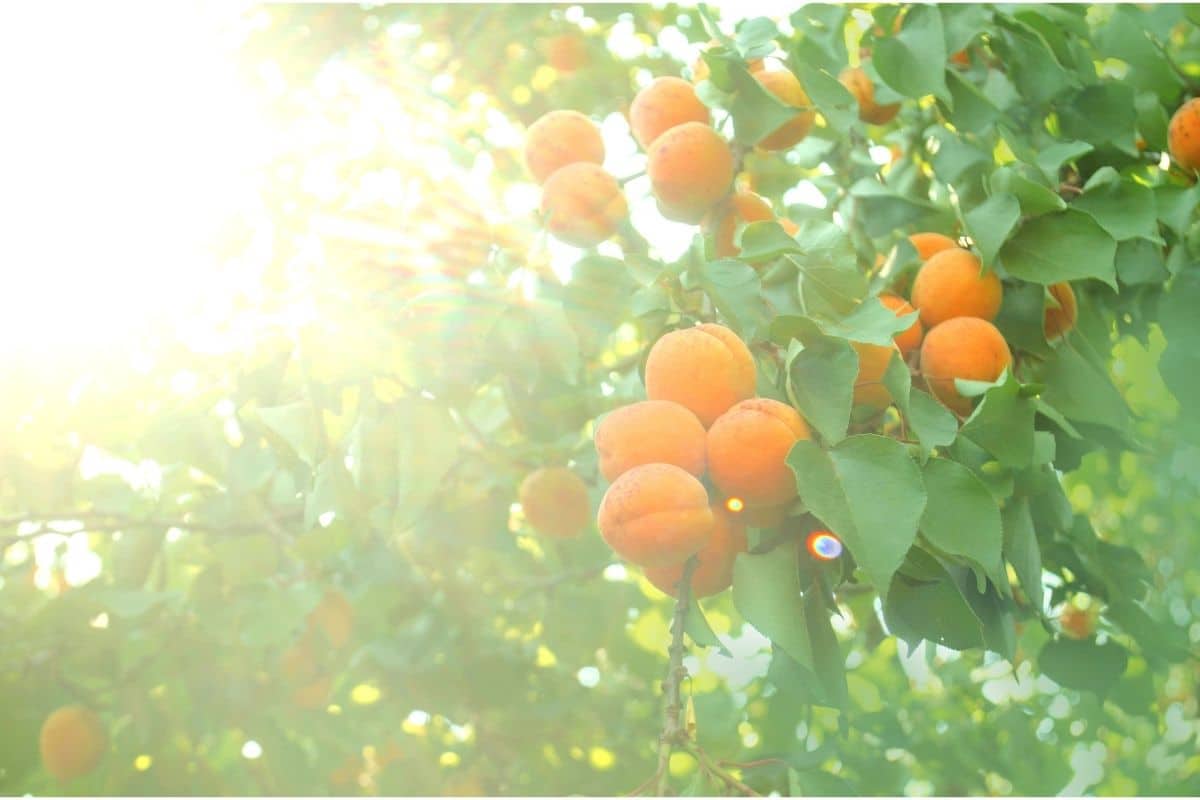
(1051, 159)
(1179, 364)
(296, 425)
(1123, 208)
(1049, 249)
(883, 210)
(695, 624)
(1031, 64)
(828, 661)
(1079, 389)
(1034, 197)
(831, 98)
(961, 518)
(427, 448)
(913, 62)
(736, 290)
(755, 111)
(870, 322)
(973, 110)
(1083, 664)
(932, 422)
(821, 383)
(767, 592)
(956, 159)
(1002, 424)
(869, 492)
(1022, 550)
(763, 241)
(991, 222)
(1140, 261)
(930, 609)
(1102, 113)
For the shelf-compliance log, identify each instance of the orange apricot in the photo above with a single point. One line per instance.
(706, 369)
(910, 338)
(664, 104)
(334, 618)
(786, 86)
(656, 515)
(742, 208)
(714, 561)
(856, 80)
(582, 204)
(929, 243)
(951, 284)
(1059, 321)
(873, 360)
(652, 431)
(748, 447)
(964, 347)
(566, 52)
(72, 742)
(791, 228)
(1183, 135)
(691, 169)
(555, 502)
(559, 138)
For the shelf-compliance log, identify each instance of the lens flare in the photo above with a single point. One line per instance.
(734, 504)
(824, 546)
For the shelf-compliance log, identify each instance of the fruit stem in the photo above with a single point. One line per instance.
(673, 732)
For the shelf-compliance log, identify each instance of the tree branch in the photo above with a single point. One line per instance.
(674, 732)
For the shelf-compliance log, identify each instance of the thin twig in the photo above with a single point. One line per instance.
(714, 769)
(673, 732)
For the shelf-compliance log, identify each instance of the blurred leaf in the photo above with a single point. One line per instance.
(913, 62)
(961, 518)
(1083, 664)
(1046, 250)
(767, 592)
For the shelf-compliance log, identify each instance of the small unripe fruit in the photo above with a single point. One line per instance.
(909, 339)
(653, 431)
(1059, 321)
(951, 284)
(656, 515)
(856, 80)
(559, 138)
(1183, 135)
(964, 347)
(582, 204)
(555, 502)
(742, 208)
(1077, 623)
(72, 742)
(928, 243)
(690, 168)
(666, 103)
(714, 562)
(786, 86)
(748, 447)
(706, 369)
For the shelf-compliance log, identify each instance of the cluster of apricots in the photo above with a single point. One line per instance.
(329, 627)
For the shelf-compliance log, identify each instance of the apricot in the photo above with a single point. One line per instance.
(1183, 135)
(656, 515)
(566, 52)
(652, 431)
(910, 338)
(950, 284)
(664, 104)
(690, 168)
(714, 563)
(791, 228)
(706, 369)
(786, 86)
(929, 243)
(856, 80)
(964, 347)
(559, 138)
(555, 502)
(742, 208)
(333, 617)
(873, 360)
(1059, 321)
(72, 742)
(582, 204)
(1077, 623)
(748, 447)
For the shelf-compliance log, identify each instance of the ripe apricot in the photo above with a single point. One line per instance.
(929, 243)
(656, 515)
(748, 447)
(706, 369)
(786, 86)
(72, 742)
(859, 83)
(1183, 135)
(964, 347)
(714, 562)
(873, 361)
(559, 138)
(566, 52)
(582, 204)
(950, 284)
(664, 104)
(555, 502)
(743, 207)
(333, 617)
(1059, 321)
(652, 431)
(690, 168)
(910, 338)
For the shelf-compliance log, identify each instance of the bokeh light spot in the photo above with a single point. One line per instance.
(824, 546)
(734, 504)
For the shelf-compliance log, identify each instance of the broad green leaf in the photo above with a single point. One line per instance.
(1022, 550)
(990, 223)
(1066, 246)
(829, 663)
(1123, 208)
(913, 62)
(961, 517)
(1051, 159)
(427, 448)
(697, 627)
(1101, 113)
(767, 592)
(1140, 261)
(1002, 424)
(870, 322)
(736, 290)
(831, 98)
(763, 241)
(756, 112)
(1084, 664)
(932, 422)
(1034, 198)
(296, 424)
(973, 110)
(883, 211)
(933, 610)
(1080, 390)
(821, 383)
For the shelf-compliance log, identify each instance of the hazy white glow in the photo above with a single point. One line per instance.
(251, 750)
(805, 193)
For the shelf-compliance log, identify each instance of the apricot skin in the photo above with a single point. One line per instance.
(72, 742)
(1059, 321)
(652, 431)
(786, 86)
(1183, 135)
(656, 515)
(856, 80)
(950, 285)
(666, 103)
(714, 563)
(691, 169)
(566, 52)
(908, 339)
(742, 208)
(559, 138)
(929, 243)
(964, 347)
(873, 361)
(582, 204)
(555, 502)
(748, 447)
(706, 369)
